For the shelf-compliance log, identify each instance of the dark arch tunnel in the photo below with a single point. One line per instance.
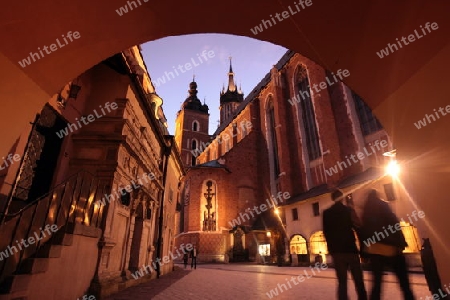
(401, 87)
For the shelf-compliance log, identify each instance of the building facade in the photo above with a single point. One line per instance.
(273, 162)
(99, 155)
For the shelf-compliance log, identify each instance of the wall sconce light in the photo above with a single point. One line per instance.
(61, 101)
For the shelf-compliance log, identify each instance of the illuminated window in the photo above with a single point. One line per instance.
(298, 245)
(318, 243)
(264, 250)
(411, 236)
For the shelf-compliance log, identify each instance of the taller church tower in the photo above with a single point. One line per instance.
(230, 98)
(191, 131)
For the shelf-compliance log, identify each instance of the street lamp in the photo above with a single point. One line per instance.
(392, 168)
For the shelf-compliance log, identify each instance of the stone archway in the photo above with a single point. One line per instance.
(335, 35)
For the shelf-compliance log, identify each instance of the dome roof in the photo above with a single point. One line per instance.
(192, 102)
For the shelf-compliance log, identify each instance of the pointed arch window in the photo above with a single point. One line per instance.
(273, 138)
(369, 123)
(308, 116)
(195, 126)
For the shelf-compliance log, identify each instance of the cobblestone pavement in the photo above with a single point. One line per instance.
(217, 282)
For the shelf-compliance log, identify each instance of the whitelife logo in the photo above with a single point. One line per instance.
(423, 122)
(296, 280)
(187, 66)
(319, 87)
(49, 49)
(342, 165)
(284, 15)
(165, 260)
(245, 126)
(124, 9)
(393, 229)
(31, 240)
(90, 118)
(263, 207)
(411, 38)
(11, 158)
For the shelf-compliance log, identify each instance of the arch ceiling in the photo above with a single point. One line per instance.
(401, 87)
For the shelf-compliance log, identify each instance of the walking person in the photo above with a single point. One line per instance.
(339, 221)
(185, 259)
(388, 250)
(194, 254)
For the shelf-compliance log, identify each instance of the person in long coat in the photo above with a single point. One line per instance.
(384, 243)
(340, 223)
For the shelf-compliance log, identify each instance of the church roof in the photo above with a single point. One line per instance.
(192, 102)
(367, 175)
(211, 164)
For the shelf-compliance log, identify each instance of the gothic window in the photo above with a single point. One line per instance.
(308, 116)
(195, 126)
(294, 214)
(369, 123)
(194, 144)
(244, 130)
(273, 139)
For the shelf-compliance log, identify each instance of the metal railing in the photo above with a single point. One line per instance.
(71, 202)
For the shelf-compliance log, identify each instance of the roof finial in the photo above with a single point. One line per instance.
(231, 68)
(193, 77)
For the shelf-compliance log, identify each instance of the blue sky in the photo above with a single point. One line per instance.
(252, 60)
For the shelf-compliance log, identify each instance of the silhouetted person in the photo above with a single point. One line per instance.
(384, 244)
(339, 221)
(194, 254)
(429, 267)
(185, 259)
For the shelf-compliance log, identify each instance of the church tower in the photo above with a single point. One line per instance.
(229, 98)
(191, 131)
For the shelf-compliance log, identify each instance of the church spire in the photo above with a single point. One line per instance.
(231, 84)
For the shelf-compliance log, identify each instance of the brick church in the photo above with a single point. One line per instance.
(255, 189)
